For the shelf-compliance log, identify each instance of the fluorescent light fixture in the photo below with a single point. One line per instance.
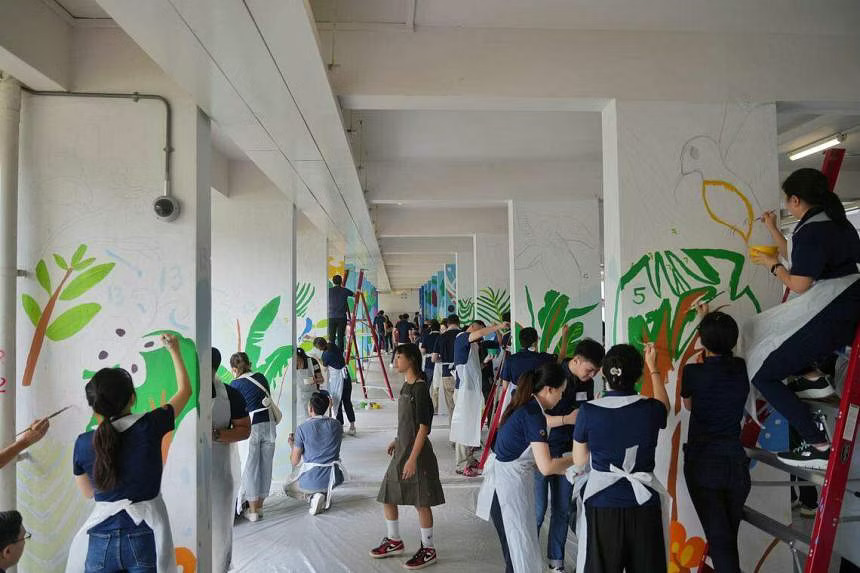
(819, 145)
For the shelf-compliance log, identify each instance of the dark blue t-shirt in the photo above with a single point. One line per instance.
(526, 425)
(609, 432)
(824, 250)
(337, 301)
(379, 322)
(462, 346)
(139, 465)
(253, 395)
(445, 348)
(575, 394)
(718, 388)
(333, 356)
(521, 362)
(403, 327)
(428, 342)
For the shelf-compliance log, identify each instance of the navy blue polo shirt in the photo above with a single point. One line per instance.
(428, 342)
(824, 250)
(576, 393)
(253, 395)
(462, 346)
(139, 465)
(237, 402)
(337, 301)
(521, 362)
(333, 356)
(444, 347)
(379, 322)
(526, 425)
(718, 388)
(403, 327)
(609, 432)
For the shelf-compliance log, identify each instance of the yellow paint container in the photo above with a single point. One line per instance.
(768, 250)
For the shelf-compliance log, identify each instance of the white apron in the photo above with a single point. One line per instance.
(306, 386)
(468, 400)
(225, 475)
(766, 331)
(336, 376)
(595, 481)
(152, 511)
(514, 485)
(307, 466)
(436, 383)
(243, 448)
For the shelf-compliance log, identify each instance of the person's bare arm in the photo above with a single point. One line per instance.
(296, 456)
(85, 485)
(580, 453)
(566, 420)
(656, 377)
(31, 435)
(769, 220)
(183, 382)
(240, 430)
(548, 465)
(482, 332)
(411, 465)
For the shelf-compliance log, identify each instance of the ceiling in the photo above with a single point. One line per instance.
(800, 124)
(81, 9)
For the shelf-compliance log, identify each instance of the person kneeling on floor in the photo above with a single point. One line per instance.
(316, 446)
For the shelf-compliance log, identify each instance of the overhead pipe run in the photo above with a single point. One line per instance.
(166, 206)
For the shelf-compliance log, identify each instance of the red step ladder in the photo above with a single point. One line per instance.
(352, 317)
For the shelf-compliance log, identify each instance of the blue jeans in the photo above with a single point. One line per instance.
(560, 491)
(131, 550)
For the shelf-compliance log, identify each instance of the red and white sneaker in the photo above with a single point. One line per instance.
(472, 471)
(425, 557)
(387, 548)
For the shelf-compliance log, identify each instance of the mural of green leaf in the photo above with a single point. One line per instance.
(31, 308)
(492, 304)
(79, 254)
(261, 323)
(42, 275)
(553, 317)
(304, 295)
(72, 321)
(275, 365)
(85, 281)
(466, 309)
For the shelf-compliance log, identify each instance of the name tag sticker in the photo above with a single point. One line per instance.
(582, 396)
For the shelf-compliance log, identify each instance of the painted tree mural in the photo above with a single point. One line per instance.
(551, 320)
(72, 320)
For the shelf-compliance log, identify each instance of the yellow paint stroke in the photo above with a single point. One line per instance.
(732, 189)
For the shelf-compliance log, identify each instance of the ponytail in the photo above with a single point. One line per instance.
(109, 393)
(549, 374)
(813, 188)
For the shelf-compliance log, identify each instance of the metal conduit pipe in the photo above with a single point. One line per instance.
(168, 117)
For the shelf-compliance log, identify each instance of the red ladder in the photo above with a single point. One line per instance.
(353, 341)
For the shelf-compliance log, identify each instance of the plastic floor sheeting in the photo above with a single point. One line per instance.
(289, 539)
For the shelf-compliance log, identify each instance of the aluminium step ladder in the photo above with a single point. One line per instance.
(812, 554)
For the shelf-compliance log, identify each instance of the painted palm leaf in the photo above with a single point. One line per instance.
(492, 304)
(261, 323)
(304, 295)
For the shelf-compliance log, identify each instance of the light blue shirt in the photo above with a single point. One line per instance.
(319, 438)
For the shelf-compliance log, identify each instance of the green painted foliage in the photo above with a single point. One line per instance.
(79, 254)
(72, 321)
(492, 304)
(261, 323)
(86, 280)
(304, 295)
(553, 317)
(466, 309)
(31, 308)
(61, 262)
(43, 276)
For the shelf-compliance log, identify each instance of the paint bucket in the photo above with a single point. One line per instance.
(768, 250)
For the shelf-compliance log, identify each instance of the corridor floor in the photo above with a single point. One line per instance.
(289, 539)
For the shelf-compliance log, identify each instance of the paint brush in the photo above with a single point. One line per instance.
(57, 413)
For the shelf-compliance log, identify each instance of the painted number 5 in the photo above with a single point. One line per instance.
(639, 295)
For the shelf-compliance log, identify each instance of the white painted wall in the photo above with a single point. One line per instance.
(658, 155)
(311, 249)
(89, 173)
(397, 302)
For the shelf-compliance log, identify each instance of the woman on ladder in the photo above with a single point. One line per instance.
(822, 258)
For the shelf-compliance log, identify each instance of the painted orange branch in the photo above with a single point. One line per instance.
(41, 329)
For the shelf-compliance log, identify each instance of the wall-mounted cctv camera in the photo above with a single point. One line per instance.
(166, 208)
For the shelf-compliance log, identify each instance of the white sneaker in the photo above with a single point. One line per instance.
(317, 503)
(351, 431)
(251, 516)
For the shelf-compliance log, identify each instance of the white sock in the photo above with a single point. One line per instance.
(393, 527)
(427, 536)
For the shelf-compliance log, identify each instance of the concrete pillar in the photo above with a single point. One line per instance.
(465, 261)
(555, 270)
(682, 186)
(10, 118)
(492, 276)
(312, 283)
(253, 286)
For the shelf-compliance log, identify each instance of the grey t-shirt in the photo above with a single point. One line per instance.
(320, 438)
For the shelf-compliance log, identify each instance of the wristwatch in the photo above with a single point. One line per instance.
(773, 268)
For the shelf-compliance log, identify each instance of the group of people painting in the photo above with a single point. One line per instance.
(559, 443)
